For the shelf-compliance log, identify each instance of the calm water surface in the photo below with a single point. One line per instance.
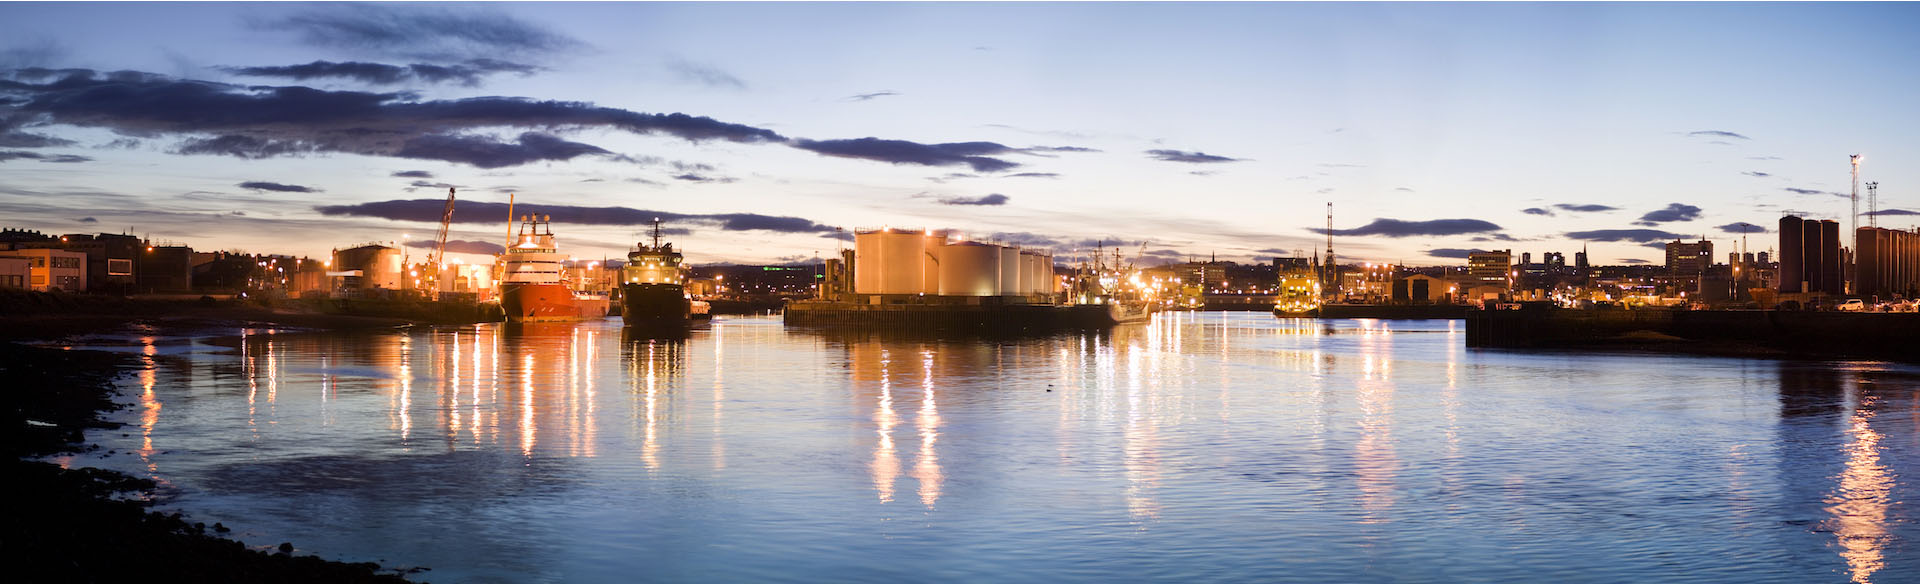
(1201, 447)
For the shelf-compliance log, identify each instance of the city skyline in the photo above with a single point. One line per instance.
(756, 130)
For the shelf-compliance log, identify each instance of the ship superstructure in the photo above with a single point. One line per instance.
(653, 286)
(531, 286)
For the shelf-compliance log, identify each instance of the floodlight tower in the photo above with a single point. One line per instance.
(1873, 204)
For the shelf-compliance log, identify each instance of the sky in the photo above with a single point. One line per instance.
(763, 133)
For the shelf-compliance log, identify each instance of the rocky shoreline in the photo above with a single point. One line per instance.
(93, 525)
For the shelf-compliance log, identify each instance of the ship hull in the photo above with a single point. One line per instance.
(547, 303)
(655, 305)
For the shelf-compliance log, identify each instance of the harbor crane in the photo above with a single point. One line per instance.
(439, 259)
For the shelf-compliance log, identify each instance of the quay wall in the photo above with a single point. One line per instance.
(1882, 335)
(948, 317)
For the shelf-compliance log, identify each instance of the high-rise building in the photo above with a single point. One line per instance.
(1689, 259)
(1490, 267)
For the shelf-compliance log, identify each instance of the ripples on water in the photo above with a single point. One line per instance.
(1201, 447)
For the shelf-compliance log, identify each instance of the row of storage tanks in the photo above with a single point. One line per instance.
(897, 261)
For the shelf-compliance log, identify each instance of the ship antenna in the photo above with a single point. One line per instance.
(656, 232)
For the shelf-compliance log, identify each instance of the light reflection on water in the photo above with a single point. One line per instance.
(1199, 447)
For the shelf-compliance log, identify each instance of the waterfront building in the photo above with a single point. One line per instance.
(15, 273)
(53, 269)
(1490, 268)
(1423, 289)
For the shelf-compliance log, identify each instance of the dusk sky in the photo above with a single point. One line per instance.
(756, 129)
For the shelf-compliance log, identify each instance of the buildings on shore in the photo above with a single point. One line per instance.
(1811, 266)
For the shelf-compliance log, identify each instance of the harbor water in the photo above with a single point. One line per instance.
(1200, 447)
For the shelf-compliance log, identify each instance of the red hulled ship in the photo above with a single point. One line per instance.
(533, 289)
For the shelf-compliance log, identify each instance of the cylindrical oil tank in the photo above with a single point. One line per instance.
(969, 268)
(379, 265)
(930, 245)
(1029, 276)
(1831, 267)
(866, 262)
(1009, 270)
(1792, 272)
(1810, 256)
(902, 261)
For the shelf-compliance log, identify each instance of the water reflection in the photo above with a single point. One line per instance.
(654, 367)
(1365, 447)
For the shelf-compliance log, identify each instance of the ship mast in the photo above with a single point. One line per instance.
(656, 233)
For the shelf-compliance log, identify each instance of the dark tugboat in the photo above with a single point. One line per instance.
(653, 287)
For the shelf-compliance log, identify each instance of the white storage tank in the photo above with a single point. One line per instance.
(1044, 278)
(1028, 283)
(969, 268)
(930, 245)
(1009, 271)
(866, 262)
(889, 261)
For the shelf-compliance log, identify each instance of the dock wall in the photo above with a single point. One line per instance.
(1882, 335)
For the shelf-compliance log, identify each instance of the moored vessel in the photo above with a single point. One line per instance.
(532, 288)
(653, 286)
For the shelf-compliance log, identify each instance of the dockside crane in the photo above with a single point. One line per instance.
(439, 260)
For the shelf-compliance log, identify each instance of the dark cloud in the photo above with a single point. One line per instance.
(1717, 134)
(1036, 175)
(869, 96)
(1887, 212)
(972, 154)
(1631, 235)
(1190, 157)
(413, 174)
(265, 121)
(1399, 228)
(276, 187)
(486, 152)
(11, 135)
(1673, 212)
(1033, 149)
(261, 122)
(704, 74)
(422, 31)
(1584, 208)
(421, 184)
(1741, 227)
(1800, 191)
(1634, 261)
(993, 199)
(429, 210)
(1537, 211)
(1403, 189)
(468, 74)
(1452, 253)
(1493, 237)
(87, 220)
(1757, 174)
(6, 155)
(700, 178)
(462, 246)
